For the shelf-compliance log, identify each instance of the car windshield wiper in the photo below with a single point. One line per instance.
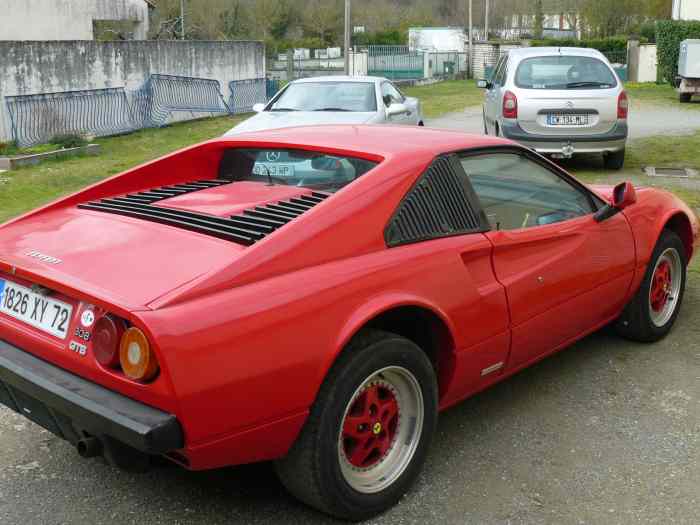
(332, 109)
(284, 109)
(587, 84)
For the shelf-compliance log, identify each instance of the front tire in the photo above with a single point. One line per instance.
(651, 314)
(369, 430)
(615, 160)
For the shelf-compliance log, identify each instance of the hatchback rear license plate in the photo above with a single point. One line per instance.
(46, 314)
(567, 120)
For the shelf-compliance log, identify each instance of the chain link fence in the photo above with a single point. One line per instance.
(395, 62)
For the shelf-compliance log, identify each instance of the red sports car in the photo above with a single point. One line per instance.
(314, 296)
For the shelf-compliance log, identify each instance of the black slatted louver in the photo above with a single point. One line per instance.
(437, 206)
(248, 228)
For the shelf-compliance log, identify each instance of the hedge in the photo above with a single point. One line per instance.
(604, 45)
(669, 35)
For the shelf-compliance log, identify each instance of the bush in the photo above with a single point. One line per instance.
(8, 148)
(617, 44)
(69, 141)
(669, 35)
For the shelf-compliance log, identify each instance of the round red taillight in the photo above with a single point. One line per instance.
(106, 337)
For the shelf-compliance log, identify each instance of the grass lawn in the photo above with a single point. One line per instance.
(29, 187)
(446, 97)
(657, 94)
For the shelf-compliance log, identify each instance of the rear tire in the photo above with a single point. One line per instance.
(685, 98)
(351, 468)
(615, 160)
(650, 315)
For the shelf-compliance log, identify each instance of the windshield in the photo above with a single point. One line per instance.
(309, 169)
(564, 72)
(327, 96)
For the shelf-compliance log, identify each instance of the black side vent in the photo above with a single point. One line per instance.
(436, 206)
(245, 229)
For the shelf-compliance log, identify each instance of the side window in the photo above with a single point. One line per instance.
(516, 192)
(391, 95)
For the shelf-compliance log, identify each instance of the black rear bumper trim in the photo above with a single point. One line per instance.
(89, 406)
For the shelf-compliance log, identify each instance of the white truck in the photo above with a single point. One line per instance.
(688, 79)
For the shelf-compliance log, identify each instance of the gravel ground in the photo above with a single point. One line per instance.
(606, 431)
(645, 121)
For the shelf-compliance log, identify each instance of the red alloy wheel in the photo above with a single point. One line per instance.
(369, 428)
(660, 286)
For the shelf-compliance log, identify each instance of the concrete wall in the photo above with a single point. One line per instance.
(67, 19)
(45, 67)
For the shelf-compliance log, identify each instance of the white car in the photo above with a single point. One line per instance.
(334, 100)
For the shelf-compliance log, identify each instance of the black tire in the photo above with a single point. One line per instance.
(636, 323)
(685, 98)
(312, 469)
(615, 160)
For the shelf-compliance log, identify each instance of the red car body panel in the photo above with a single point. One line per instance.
(246, 334)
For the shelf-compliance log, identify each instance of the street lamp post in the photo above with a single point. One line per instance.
(346, 42)
(182, 19)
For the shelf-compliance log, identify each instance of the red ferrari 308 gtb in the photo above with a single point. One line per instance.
(315, 296)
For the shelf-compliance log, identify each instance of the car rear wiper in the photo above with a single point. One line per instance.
(332, 109)
(284, 109)
(587, 84)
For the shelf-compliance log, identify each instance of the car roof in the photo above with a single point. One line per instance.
(339, 78)
(526, 52)
(373, 140)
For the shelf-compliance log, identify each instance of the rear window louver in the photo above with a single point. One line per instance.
(251, 226)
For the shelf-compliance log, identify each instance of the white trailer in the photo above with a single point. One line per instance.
(688, 79)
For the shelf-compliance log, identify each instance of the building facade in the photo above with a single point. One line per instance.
(686, 9)
(72, 19)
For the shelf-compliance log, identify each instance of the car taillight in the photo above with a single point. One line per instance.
(623, 105)
(107, 336)
(136, 357)
(510, 105)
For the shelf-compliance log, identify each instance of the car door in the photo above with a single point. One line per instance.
(494, 94)
(565, 274)
(391, 95)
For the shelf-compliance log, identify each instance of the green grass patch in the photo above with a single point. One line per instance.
(33, 186)
(446, 97)
(657, 94)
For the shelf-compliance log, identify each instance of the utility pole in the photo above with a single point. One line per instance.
(347, 37)
(470, 73)
(182, 19)
(486, 21)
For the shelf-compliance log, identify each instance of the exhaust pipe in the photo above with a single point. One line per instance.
(89, 447)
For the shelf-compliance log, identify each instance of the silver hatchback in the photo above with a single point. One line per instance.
(558, 101)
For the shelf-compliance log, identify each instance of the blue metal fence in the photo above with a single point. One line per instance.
(395, 62)
(36, 119)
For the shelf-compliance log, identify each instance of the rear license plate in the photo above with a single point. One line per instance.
(567, 120)
(46, 314)
(274, 170)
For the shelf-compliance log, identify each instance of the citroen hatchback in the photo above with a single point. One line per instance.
(558, 101)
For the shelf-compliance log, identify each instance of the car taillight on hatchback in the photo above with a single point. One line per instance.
(510, 105)
(623, 105)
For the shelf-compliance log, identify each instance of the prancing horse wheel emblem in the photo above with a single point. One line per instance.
(272, 156)
(377, 428)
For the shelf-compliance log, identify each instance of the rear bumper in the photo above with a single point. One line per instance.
(614, 140)
(71, 407)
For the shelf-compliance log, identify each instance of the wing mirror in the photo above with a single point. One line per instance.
(624, 195)
(396, 109)
(258, 107)
(484, 84)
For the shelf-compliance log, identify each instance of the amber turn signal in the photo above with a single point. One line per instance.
(107, 337)
(137, 359)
